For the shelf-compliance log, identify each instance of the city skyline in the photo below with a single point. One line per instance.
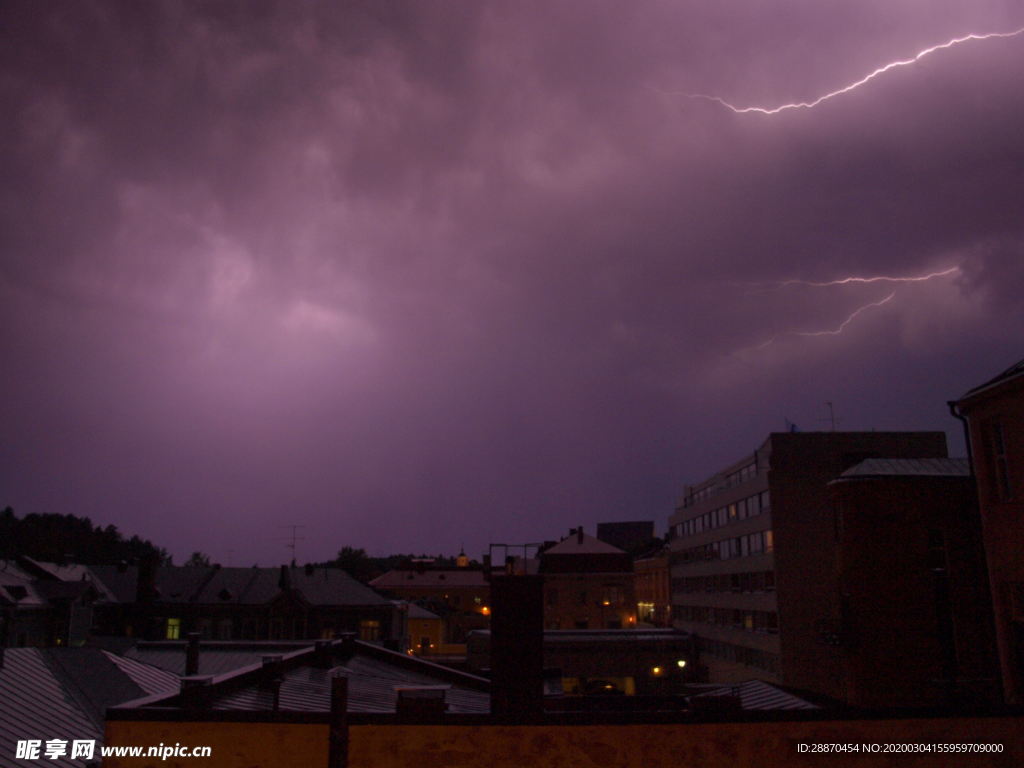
(418, 278)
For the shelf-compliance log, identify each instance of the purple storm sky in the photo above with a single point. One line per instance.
(417, 275)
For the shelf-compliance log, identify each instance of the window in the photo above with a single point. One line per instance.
(754, 505)
(174, 629)
(1004, 488)
(769, 541)
(369, 629)
(766, 501)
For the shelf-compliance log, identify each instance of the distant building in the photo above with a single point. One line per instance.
(652, 584)
(44, 604)
(915, 617)
(599, 662)
(460, 596)
(286, 603)
(588, 584)
(754, 552)
(994, 413)
(629, 536)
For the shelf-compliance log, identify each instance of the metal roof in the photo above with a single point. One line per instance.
(62, 693)
(371, 688)
(909, 468)
(759, 695)
(213, 659)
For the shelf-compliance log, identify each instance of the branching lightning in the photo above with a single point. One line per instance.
(858, 83)
(876, 279)
(834, 332)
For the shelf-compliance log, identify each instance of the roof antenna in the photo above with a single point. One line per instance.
(294, 538)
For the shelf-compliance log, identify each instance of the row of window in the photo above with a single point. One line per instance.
(607, 596)
(741, 475)
(275, 629)
(752, 657)
(730, 513)
(726, 549)
(751, 581)
(747, 620)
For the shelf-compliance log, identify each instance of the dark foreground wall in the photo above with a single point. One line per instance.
(764, 745)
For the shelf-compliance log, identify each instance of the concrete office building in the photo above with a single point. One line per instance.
(754, 552)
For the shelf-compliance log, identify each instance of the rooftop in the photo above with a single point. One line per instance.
(909, 468)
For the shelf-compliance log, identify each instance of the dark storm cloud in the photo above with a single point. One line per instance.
(420, 275)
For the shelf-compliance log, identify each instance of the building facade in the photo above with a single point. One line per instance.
(915, 622)
(994, 413)
(753, 555)
(588, 584)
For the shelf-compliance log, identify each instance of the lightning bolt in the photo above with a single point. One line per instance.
(834, 332)
(858, 83)
(868, 280)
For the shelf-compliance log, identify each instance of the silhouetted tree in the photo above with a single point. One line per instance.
(67, 538)
(198, 559)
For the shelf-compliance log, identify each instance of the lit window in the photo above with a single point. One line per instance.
(173, 629)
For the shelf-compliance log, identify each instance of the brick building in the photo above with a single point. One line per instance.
(994, 413)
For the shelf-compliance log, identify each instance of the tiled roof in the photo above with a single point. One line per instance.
(759, 695)
(119, 584)
(455, 578)
(909, 468)
(215, 585)
(572, 545)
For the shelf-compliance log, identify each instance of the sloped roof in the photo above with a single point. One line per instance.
(452, 577)
(17, 587)
(214, 658)
(909, 468)
(371, 688)
(574, 544)
(759, 695)
(1015, 370)
(62, 693)
(36, 704)
(119, 584)
(215, 585)
(586, 545)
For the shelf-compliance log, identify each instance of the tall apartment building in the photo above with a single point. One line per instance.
(754, 552)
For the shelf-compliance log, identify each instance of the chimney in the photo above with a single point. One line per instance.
(579, 535)
(348, 644)
(517, 644)
(145, 583)
(285, 580)
(322, 654)
(192, 690)
(192, 654)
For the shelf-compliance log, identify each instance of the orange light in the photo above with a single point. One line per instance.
(606, 602)
(485, 611)
(655, 671)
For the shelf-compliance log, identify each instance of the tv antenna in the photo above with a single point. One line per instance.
(293, 539)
